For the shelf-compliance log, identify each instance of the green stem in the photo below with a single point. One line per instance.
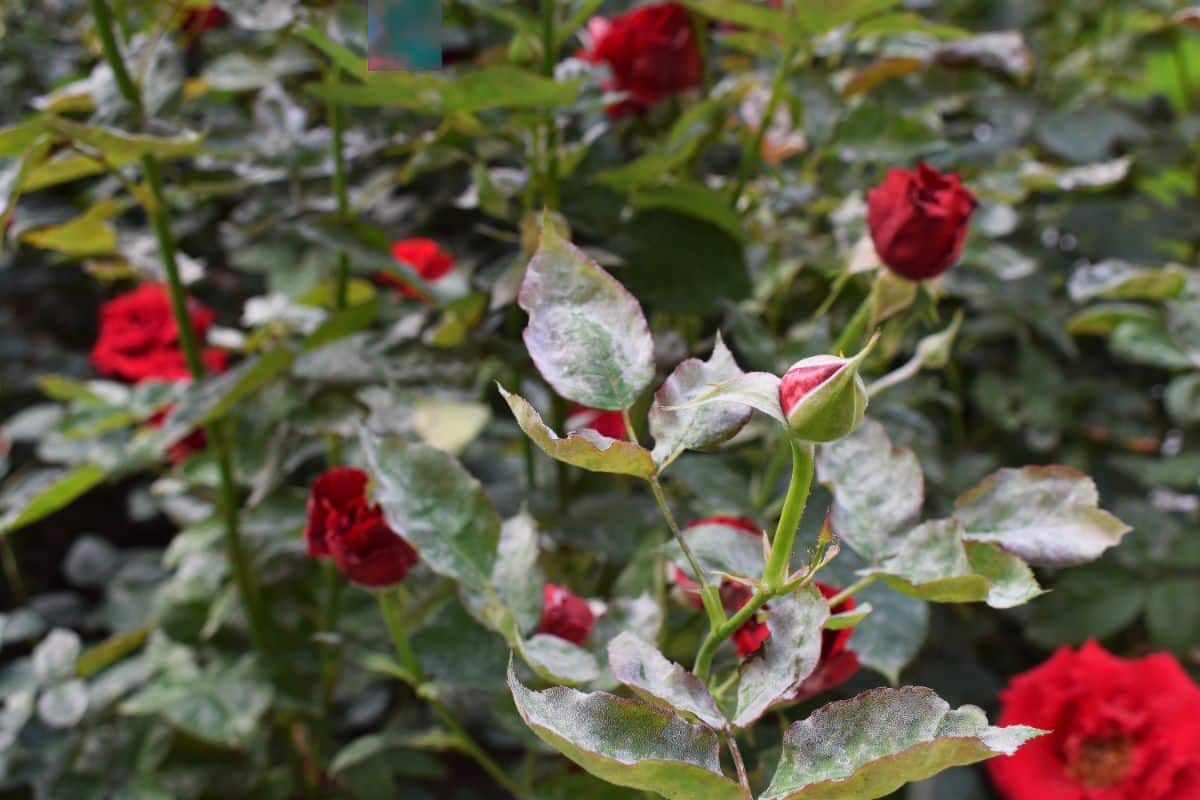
(752, 150)
(776, 570)
(337, 121)
(1183, 72)
(550, 139)
(391, 603)
(851, 335)
(708, 593)
(247, 588)
(112, 53)
(12, 572)
(708, 647)
(851, 590)
(333, 584)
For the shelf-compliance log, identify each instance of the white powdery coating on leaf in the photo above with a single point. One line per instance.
(587, 334)
(643, 668)
(1049, 516)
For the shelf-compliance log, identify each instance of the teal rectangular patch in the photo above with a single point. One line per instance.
(404, 34)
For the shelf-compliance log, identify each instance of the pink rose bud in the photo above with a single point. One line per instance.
(823, 397)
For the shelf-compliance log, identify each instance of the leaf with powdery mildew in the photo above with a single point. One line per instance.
(640, 666)
(587, 334)
(584, 448)
(933, 562)
(869, 746)
(758, 390)
(1049, 516)
(627, 742)
(558, 660)
(438, 507)
(787, 658)
(878, 488)
(678, 429)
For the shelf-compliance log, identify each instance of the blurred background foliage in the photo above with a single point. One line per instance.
(124, 675)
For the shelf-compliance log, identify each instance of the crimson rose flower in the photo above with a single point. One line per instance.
(200, 19)
(342, 526)
(651, 52)
(424, 257)
(565, 615)
(918, 221)
(179, 452)
(605, 423)
(139, 340)
(1121, 729)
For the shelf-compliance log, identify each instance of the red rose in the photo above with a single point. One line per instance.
(422, 256)
(565, 615)
(651, 52)
(200, 19)
(139, 340)
(1122, 729)
(837, 662)
(605, 423)
(918, 221)
(342, 526)
(182, 450)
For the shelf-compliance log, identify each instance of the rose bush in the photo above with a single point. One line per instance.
(704, 399)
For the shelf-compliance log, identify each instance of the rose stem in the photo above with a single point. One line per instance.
(331, 579)
(743, 779)
(391, 603)
(852, 333)
(753, 144)
(215, 435)
(12, 572)
(775, 571)
(550, 139)
(708, 593)
(851, 590)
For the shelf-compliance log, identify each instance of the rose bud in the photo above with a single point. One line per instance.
(823, 397)
(605, 423)
(565, 615)
(139, 340)
(424, 257)
(344, 527)
(919, 220)
(651, 52)
(1121, 729)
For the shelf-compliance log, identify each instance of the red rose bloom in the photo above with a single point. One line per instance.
(918, 221)
(565, 615)
(342, 526)
(605, 423)
(200, 19)
(1121, 729)
(422, 256)
(651, 52)
(182, 450)
(139, 340)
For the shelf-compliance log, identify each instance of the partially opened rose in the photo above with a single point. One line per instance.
(565, 615)
(344, 527)
(1120, 729)
(919, 221)
(651, 52)
(139, 340)
(423, 256)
